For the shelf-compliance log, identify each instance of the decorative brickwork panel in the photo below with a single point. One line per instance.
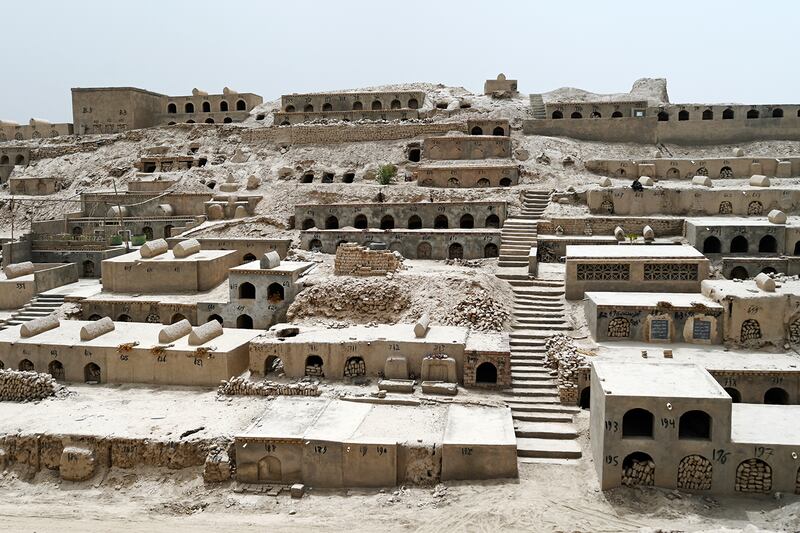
(619, 328)
(753, 475)
(694, 473)
(670, 272)
(751, 330)
(603, 272)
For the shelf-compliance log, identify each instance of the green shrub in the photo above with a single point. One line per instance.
(386, 174)
(138, 240)
(116, 240)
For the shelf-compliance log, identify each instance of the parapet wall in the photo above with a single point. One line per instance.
(625, 201)
(600, 225)
(467, 147)
(676, 168)
(354, 260)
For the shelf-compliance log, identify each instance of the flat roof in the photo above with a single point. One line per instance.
(338, 420)
(650, 299)
(487, 342)
(362, 333)
(169, 256)
(89, 89)
(69, 334)
(715, 358)
(721, 288)
(660, 380)
(732, 221)
(635, 251)
(753, 423)
(496, 426)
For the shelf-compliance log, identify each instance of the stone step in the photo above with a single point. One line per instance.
(509, 276)
(533, 393)
(541, 417)
(544, 313)
(526, 364)
(528, 405)
(545, 430)
(547, 386)
(542, 374)
(516, 326)
(549, 448)
(519, 337)
(531, 302)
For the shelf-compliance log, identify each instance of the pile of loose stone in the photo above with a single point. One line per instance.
(753, 476)
(24, 386)
(563, 358)
(478, 311)
(694, 473)
(639, 473)
(239, 386)
(350, 297)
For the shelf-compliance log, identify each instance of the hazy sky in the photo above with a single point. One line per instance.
(710, 51)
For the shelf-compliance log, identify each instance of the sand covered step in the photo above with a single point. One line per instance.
(525, 405)
(548, 448)
(545, 430)
(561, 418)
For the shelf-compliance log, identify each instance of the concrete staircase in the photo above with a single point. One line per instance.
(544, 427)
(39, 306)
(519, 233)
(537, 106)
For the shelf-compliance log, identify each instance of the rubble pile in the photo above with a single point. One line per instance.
(694, 473)
(478, 311)
(753, 475)
(239, 386)
(24, 386)
(567, 362)
(350, 298)
(639, 472)
(218, 466)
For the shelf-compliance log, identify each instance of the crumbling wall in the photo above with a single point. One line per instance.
(352, 259)
(566, 360)
(478, 311)
(82, 457)
(351, 298)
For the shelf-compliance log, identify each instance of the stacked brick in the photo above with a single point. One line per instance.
(640, 472)
(694, 473)
(354, 367)
(753, 475)
(23, 386)
(315, 371)
(354, 260)
(239, 386)
(567, 363)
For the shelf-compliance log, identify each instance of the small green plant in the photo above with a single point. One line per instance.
(386, 174)
(631, 237)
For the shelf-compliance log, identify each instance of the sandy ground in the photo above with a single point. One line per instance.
(547, 497)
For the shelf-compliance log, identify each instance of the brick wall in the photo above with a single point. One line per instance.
(355, 260)
(343, 133)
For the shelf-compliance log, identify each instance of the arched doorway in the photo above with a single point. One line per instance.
(498, 131)
(314, 366)
(736, 396)
(273, 366)
(557, 114)
(440, 222)
(768, 245)
(91, 373)
(215, 317)
(249, 258)
(776, 396)
(247, 291)
(683, 115)
(355, 367)
(637, 423)
(476, 130)
(424, 250)
(586, 397)
(331, 222)
(694, 424)
(712, 245)
(455, 251)
(414, 222)
(467, 222)
(491, 250)
(88, 269)
(387, 222)
(275, 293)
(739, 272)
(739, 245)
(26, 365)
(308, 223)
(148, 233)
(177, 317)
(269, 469)
(753, 475)
(493, 221)
(168, 231)
(56, 369)
(244, 322)
(638, 469)
(576, 115)
(486, 373)
(361, 222)
(124, 318)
